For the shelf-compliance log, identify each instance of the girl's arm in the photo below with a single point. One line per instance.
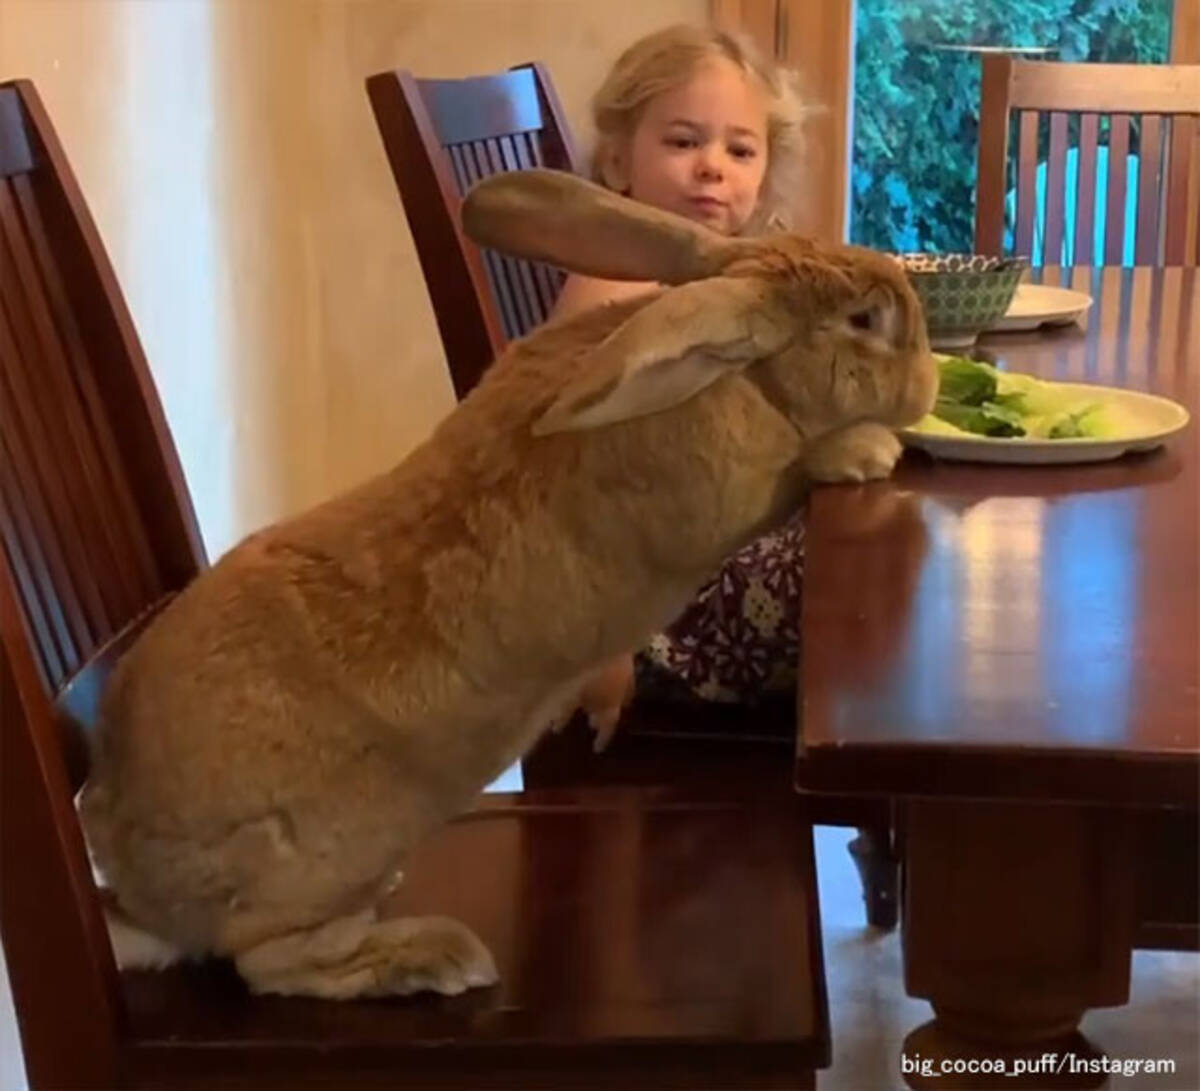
(580, 293)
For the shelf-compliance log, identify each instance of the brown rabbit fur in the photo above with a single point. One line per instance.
(340, 683)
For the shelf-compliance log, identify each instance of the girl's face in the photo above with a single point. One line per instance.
(701, 149)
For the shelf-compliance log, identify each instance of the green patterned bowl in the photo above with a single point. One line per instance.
(962, 294)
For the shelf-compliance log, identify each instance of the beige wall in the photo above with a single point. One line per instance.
(129, 87)
(229, 156)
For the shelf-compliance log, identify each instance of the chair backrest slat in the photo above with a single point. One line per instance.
(1151, 112)
(1085, 194)
(442, 137)
(1180, 187)
(1193, 222)
(1027, 179)
(458, 163)
(521, 285)
(507, 147)
(549, 283)
(1149, 189)
(1056, 170)
(58, 629)
(502, 289)
(528, 153)
(1114, 212)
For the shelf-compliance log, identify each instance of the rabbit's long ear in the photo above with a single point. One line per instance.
(669, 350)
(548, 215)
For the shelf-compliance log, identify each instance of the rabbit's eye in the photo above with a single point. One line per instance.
(877, 319)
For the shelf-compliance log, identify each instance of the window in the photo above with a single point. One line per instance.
(916, 100)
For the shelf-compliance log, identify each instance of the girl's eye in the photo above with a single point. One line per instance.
(742, 153)
(681, 142)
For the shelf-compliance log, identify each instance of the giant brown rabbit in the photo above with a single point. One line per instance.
(283, 734)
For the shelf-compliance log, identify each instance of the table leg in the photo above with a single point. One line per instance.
(1017, 918)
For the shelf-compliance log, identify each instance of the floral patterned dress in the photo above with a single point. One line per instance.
(738, 642)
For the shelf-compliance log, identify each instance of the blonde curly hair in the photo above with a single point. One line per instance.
(667, 58)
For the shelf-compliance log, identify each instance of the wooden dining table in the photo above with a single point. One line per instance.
(1011, 655)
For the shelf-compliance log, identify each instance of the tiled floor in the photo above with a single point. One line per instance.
(870, 1013)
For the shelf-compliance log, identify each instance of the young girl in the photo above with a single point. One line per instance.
(692, 120)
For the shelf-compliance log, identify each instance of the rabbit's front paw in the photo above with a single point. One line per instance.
(861, 452)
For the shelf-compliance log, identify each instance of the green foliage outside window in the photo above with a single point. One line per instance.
(916, 106)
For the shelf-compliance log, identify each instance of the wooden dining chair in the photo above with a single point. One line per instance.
(642, 938)
(1144, 113)
(441, 137)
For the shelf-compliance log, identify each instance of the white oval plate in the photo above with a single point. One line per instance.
(1152, 420)
(1035, 305)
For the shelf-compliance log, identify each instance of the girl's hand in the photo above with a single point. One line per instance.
(603, 696)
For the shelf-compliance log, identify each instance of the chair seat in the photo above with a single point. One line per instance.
(642, 939)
